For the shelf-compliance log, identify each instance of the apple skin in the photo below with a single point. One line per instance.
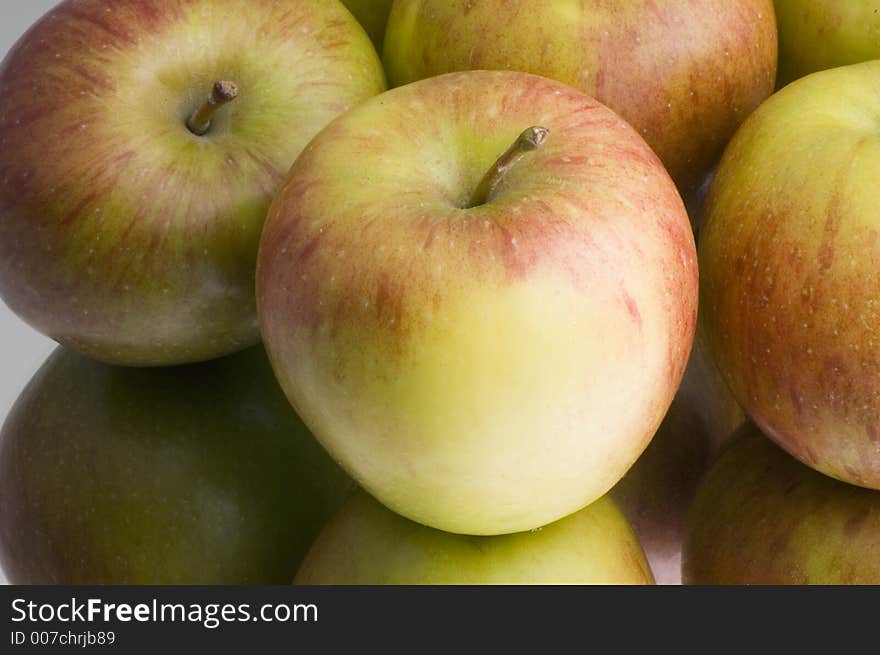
(373, 17)
(685, 73)
(125, 236)
(490, 369)
(366, 544)
(200, 474)
(762, 517)
(818, 34)
(788, 249)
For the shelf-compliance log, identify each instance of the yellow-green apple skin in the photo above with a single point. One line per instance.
(373, 16)
(789, 254)
(366, 544)
(818, 34)
(762, 517)
(199, 474)
(685, 73)
(123, 234)
(484, 369)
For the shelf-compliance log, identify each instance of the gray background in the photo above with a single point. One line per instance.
(22, 350)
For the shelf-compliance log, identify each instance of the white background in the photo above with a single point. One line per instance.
(22, 350)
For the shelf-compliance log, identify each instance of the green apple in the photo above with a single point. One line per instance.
(366, 544)
(819, 34)
(789, 251)
(761, 517)
(486, 346)
(373, 16)
(200, 474)
(131, 206)
(685, 73)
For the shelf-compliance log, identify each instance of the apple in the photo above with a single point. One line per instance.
(373, 16)
(788, 254)
(685, 73)
(199, 474)
(140, 146)
(366, 544)
(485, 335)
(761, 517)
(819, 34)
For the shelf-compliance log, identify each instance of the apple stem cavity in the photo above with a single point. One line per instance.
(200, 121)
(530, 140)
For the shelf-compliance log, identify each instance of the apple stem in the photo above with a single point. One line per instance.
(200, 121)
(531, 139)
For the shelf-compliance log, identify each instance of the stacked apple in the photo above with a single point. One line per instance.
(789, 287)
(788, 261)
(476, 292)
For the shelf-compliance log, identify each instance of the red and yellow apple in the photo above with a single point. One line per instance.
(789, 261)
(366, 544)
(483, 358)
(685, 73)
(762, 517)
(127, 233)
